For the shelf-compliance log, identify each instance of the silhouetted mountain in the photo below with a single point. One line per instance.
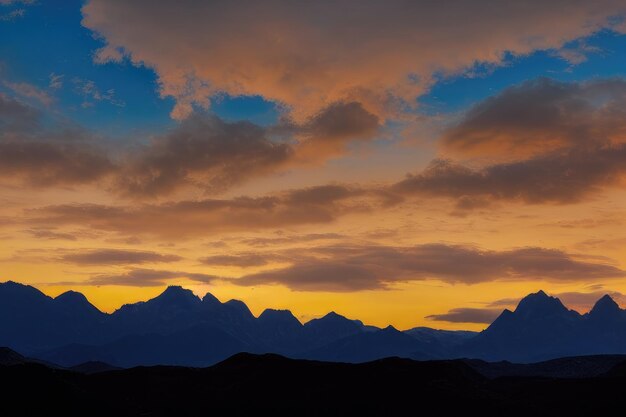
(11, 357)
(93, 367)
(179, 328)
(368, 346)
(30, 320)
(541, 327)
(330, 328)
(281, 330)
(440, 343)
(196, 346)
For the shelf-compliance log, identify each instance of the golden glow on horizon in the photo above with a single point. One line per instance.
(584, 228)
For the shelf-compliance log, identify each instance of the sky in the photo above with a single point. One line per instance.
(411, 163)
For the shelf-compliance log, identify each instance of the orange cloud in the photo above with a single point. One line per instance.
(309, 55)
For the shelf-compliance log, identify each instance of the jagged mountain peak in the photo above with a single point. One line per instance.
(390, 329)
(605, 306)
(176, 292)
(540, 304)
(210, 299)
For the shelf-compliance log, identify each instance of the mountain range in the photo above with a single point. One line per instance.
(179, 328)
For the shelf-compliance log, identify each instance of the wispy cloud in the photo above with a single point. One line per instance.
(30, 91)
(92, 94)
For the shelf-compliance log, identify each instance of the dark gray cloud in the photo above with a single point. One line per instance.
(242, 261)
(204, 151)
(52, 163)
(354, 268)
(35, 155)
(196, 218)
(560, 177)
(140, 277)
(51, 234)
(117, 257)
(328, 133)
(552, 142)
(540, 116)
(467, 315)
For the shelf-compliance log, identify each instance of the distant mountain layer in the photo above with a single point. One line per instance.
(179, 328)
(268, 384)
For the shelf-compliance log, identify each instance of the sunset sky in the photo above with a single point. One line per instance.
(399, 162)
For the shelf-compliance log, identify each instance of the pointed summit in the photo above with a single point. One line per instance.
(538, 305)
(175, 295)
(390, 329)
(210, 300)
(605, 307)
(77, 303)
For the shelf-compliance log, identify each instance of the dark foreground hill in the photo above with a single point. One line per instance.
(273, 385)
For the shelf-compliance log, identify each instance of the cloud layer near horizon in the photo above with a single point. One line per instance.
(355, 268)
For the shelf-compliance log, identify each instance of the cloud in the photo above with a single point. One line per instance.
(117, 257)
(51, 234)
(34, 155)
(354, 268)
(328, 133)
(10, 2)
(560, 177)
(140, 277)
(92, 94)
(577, 54)
(308, 55)
(16, 116)
(205, 151)
(26, 90)
(273, 241)
(314, 205)
(212, 154)
(56, 81)
(541, 116)
(467, 315)
(541, 142)
(51, 163)
(241, 261)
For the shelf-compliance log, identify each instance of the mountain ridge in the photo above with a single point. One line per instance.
(69, 328)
